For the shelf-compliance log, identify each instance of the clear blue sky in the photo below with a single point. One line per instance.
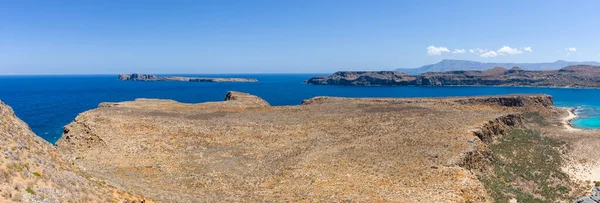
(84, 37)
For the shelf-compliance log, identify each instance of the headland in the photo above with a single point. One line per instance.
(578, 76)
(150, 77)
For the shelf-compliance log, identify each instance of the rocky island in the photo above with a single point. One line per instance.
(329, 149)
(584, 76)
(150, 77)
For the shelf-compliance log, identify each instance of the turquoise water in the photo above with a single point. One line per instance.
(47, 103)
(589, 117)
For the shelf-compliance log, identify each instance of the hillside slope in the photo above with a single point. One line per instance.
(32, 171)
(462, 65)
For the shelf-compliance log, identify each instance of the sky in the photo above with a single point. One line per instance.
(304, 36)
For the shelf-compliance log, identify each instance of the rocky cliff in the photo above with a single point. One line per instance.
(458, 65)
(150, 77)
(31, 170)
(572, 76)
(329, 149)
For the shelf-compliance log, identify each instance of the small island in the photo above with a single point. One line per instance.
(578, 76)
(150, 77)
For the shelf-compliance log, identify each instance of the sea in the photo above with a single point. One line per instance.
(47, 103)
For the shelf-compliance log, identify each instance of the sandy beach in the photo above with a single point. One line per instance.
(566, 121)
(582, 169)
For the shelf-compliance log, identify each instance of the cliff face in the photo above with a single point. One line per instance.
(32, 171)
(364, 78)
(329, 149)
(150, 77)
(454, 65)
(572, 76)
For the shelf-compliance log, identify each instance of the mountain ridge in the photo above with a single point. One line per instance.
(454, 65)
(576, 76)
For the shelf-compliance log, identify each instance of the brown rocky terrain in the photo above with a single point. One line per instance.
(571, 76)
(150, 77)
(328, 149)
(31, 170)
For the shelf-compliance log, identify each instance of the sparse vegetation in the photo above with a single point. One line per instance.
(30, 191)
(37, 174)
(527, 166)
(535, 117)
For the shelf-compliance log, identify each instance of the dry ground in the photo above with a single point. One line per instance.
(32, 171)
(329, 149)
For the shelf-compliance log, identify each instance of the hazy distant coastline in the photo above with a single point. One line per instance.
(150, 77)
(456, 65)
(572, 76)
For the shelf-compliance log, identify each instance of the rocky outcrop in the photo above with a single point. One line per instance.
(593, 198)
(363, 78)
(499, 127)
(149, 77)
(480, 157)
(247, 99)
(138, 77)
(529, 101)
(572, 76)
(31, 170)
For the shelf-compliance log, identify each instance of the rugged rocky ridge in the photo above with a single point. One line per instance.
(150, 77)
(32, 171)
(328, 149)
(571, 76)
(456, 65)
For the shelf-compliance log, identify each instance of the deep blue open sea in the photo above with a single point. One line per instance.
(47, 103)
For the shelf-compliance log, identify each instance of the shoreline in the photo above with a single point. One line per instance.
(566, 121)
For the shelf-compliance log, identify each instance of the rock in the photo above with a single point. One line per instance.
(138, 77)
(572, 76)
(513, 100)
(150, 77)
(593, 198)
(247, 99)
(363, 78)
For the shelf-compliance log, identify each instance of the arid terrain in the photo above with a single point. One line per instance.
(463, 149)
(571, 76)
(31, 170)
(329, 149)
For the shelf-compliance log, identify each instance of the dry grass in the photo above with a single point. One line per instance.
(332, 149)
(32, 171)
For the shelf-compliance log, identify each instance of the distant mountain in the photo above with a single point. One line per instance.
(453, 65)
(581, 76)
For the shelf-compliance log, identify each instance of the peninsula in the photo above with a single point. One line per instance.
(150, 77)
(571, 76)
(329, 149)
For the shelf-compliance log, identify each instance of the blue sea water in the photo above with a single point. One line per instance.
(47, 103)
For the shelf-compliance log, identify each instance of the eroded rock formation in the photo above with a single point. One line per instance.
(572, 76)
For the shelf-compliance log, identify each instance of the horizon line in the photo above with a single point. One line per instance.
(116, 74)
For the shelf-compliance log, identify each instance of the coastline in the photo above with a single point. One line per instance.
(566, 121)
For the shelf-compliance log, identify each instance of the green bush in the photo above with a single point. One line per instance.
(30, 191)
